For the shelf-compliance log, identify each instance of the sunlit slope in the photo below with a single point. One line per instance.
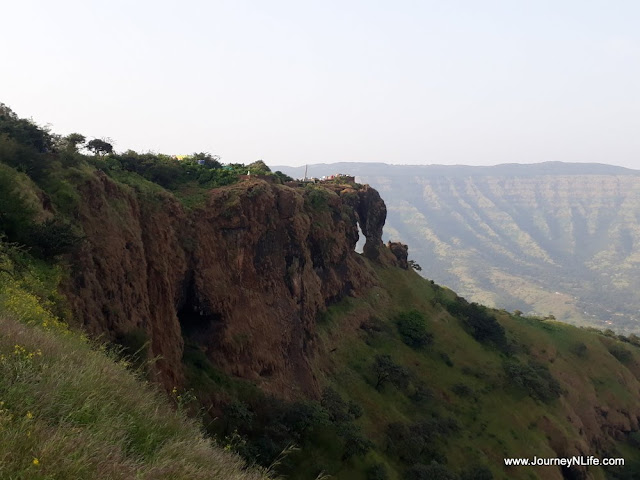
(551, 390)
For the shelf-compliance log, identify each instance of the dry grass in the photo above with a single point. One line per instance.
(71, 412)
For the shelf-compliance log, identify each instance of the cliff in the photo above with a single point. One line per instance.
(244, 276)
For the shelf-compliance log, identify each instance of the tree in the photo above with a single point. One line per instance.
(258, 167)
(386, 370)
(73, 140)
(206, 159)
(99, 147)
(24, 131)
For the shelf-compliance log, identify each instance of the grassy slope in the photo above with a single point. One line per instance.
(70, 410)
(497, 419)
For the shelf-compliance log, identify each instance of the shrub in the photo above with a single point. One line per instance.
(534, 378)
(335, 406)
(479, 322)
(15, 214)
(446, 359)
(416, 442)
(377, 472)
(462, 390)
(355, 444)
(51, 238)
(477, 473)
(387, 371)
(421, 394)
(621, 353)
(412, 327)
(355, 410)
(316, 198)
(403, 444)
(237, 415)
(434, 471)
(634, 439)
(580, 350)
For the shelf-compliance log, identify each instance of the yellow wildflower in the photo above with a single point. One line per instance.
(36, 461)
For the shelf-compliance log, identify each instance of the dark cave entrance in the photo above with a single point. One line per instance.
(197, 322)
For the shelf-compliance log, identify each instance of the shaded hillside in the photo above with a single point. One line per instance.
(548, 239)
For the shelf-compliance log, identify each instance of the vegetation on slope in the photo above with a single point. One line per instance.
(70, 408)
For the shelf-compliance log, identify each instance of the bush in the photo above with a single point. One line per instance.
(317, 198)
(621, 353)
(15, 214)
(412, 327)
(421, 394)
(24, 131)
(335, 406)
(462, 390)
(634, 439)
(403, 444)
(479, 322)
(416, 442)
(580, 350)
(377, 472)
(386, 370)
(51, 238)
(477, 473)
(355, 444)
(534, 378)
(434, 471)
(446, 359)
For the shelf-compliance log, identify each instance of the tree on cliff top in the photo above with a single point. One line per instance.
(99, 147)
(258, 167)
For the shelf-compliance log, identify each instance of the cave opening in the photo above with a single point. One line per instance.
(197, 322)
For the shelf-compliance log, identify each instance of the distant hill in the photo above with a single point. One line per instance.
(552, 238)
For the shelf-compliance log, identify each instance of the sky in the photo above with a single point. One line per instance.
(295, 82)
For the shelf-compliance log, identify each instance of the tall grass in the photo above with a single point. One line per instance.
(71, 410)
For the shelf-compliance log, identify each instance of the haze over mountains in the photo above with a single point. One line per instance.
(553, 238)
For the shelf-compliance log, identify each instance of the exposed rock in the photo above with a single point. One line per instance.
(244, 277)
(401, 252)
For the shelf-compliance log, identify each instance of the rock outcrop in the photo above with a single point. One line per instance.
(401, 252)
(244, 277)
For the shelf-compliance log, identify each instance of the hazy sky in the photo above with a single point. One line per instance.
(475, 82)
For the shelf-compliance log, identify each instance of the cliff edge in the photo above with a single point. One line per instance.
(243, 276)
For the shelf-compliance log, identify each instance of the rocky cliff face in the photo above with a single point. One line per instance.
(244, 276)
